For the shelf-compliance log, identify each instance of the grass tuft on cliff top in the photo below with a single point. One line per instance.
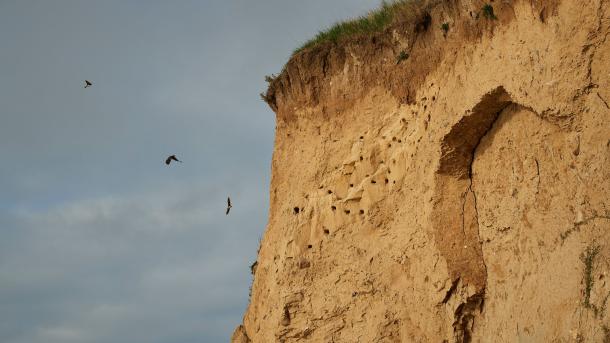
(375, 21)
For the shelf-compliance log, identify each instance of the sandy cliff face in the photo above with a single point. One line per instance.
(460, 195)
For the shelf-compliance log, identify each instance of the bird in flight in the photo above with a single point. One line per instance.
(88, 83)
(228, 205)
(171, 158)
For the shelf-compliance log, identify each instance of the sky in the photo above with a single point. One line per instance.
(100, 241)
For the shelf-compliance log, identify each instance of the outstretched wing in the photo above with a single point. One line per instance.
(228, 209)
(229, 201)
(168, 160)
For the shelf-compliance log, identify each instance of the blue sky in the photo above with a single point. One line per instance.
(99, 240)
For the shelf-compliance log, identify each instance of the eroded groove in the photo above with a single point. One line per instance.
(451, 290)
(460, 242)
(463, 327)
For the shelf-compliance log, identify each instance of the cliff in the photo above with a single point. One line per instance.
(442, 185)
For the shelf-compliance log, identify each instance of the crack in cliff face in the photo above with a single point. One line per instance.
(451, 290)
(460, 244)
(464, 318)
(466, 312)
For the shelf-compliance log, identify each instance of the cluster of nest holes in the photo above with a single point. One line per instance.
(346, 211)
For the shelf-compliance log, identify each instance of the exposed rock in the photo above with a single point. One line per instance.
(462, 195)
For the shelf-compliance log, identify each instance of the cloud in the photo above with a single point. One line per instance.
(99, 267)
(99, 240)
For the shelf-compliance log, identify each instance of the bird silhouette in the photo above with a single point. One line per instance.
(88, 83)
(171, 158)
(228, 205)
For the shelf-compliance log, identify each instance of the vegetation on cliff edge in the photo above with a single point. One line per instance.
(375, 21)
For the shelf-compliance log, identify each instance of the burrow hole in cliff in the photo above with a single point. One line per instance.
(296, 210)
(334, 208)
(326, 231)
(361, 211)
(347, 211)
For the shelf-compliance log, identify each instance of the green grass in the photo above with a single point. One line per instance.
(402, 56)
(587, 258)
(375, 21)
(488, 12)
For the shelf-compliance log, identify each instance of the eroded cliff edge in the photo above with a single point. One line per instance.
(461, 194)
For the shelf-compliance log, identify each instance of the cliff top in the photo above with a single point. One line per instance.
(412, 16)
(375, 21)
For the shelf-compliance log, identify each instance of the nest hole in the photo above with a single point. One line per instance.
(296, 210)
(334, 208)
(361, 211)
(347, 211)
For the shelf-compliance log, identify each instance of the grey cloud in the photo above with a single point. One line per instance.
(99, 240)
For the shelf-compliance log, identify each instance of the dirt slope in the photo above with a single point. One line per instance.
(460, 195)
